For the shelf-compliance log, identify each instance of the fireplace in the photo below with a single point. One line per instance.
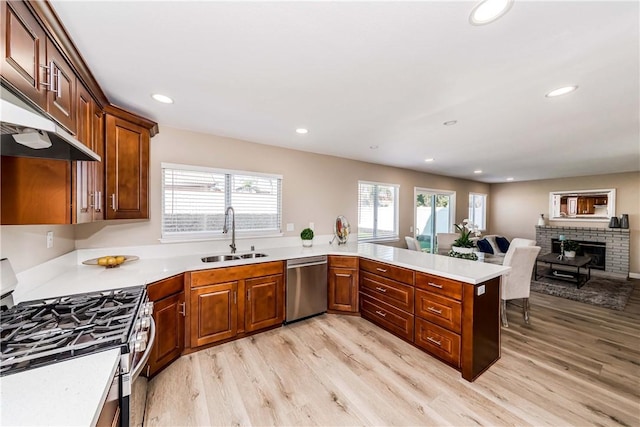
(595, 250)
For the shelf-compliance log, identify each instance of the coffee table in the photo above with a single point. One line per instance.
(578, 262)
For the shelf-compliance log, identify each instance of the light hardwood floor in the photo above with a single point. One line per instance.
(575, 364)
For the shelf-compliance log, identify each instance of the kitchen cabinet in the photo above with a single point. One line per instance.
(231, 302)
(126, 166)
(169, 315)
(343, 284)
(386, 297)
(35, 191)
(585, 205)
(35, 67)
(87, 182)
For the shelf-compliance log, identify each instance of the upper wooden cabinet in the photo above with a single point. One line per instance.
(61, 92)
(127, 167)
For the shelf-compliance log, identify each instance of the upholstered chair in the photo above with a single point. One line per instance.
(518, 241)
(517, 283)
(445, 241)
(413, 244)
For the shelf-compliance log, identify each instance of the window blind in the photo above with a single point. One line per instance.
(377, 211)
(195, 199)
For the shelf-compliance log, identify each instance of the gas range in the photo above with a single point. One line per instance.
(41, 332)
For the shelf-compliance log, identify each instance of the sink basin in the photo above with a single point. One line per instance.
(252, 255)
(219, 258)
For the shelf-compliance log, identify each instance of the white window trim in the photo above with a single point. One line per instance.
(396, 214)
(217, 236)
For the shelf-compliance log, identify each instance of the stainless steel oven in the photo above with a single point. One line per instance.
(41, 332)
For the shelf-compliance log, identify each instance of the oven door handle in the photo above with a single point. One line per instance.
(145, 357)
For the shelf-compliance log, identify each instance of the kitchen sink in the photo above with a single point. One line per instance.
(253, 255)
(219, 258)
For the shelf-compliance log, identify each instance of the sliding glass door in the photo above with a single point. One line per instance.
(434, 213)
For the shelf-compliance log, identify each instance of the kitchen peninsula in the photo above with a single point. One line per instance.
(478, 298)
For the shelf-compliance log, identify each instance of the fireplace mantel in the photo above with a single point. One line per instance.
(616, 240)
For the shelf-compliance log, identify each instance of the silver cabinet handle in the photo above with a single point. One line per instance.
(58, 75)
(183, 309)
(113, 202)
(98, 201)
(92, 200)
(383, 290)
(434, 341)
(434, 310)
(434, 285)
(382, 270)
(50, 82)
(380, 313)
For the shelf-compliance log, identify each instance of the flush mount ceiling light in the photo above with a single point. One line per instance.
(477, 171)
(373, 147)
(561, 91)
(302, 131)
(488, 11)
(162, 98)
(510, 178)
(429, 160)
(450, 123)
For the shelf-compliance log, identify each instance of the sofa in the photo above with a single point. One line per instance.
(493, 244)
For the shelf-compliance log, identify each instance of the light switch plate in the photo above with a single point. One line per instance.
(290, 226)
(49, 239)
(481, 290)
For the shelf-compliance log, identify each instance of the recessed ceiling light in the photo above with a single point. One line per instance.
(488, 11)
(450, 123)
(477, 171)
(561, 91)
(429, 160)
(302, 131)
(510, 178)
(162, 98)
(373, 147)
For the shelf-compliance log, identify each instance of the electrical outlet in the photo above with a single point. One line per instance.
(481, 290)
(290, 226)
(49, 239)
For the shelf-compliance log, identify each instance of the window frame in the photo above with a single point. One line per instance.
(471, 213)
(396, 214)
(217, 234)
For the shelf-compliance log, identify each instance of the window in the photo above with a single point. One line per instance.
(478, 210)
(195, 199)
(377, 211)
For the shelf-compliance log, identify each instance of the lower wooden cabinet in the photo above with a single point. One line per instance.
(343, 284)
(387, 316)
(214, 313)
(438, 341)
(230, 302)
(169, 316)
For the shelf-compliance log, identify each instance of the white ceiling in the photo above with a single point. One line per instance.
(386, 74)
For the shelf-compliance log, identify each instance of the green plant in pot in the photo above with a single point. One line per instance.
(570, 248)
(307, 237)
(463, 246)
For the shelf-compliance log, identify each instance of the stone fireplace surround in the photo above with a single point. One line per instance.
(615, 239)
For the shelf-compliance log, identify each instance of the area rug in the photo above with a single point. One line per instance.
(601, 291)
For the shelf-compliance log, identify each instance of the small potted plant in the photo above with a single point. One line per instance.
(570, 248)
(307, 237)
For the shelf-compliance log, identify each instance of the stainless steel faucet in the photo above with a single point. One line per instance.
(225, 228)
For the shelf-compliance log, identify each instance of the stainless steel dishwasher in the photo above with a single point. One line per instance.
(306, 287)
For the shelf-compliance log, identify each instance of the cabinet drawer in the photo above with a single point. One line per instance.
(227, 274)
(343, 261)
(386, 316)
(439, 285)
(394, 293)
(438, 341)
(439, 310)
(386, 270)
(166, 287)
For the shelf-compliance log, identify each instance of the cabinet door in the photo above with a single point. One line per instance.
(61, 98)
(127, 169)
(83, 171)
(23, 51)
(264, 302)
(343, 289)
(97, 196)
(213, 313)
(168, 313)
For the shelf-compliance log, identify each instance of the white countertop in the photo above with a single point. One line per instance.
(71, 392)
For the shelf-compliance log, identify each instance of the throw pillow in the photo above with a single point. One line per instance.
(484, 246)
(503, 244)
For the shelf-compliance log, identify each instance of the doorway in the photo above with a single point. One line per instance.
(434, 213)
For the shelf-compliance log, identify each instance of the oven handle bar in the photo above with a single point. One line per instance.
(145, 357)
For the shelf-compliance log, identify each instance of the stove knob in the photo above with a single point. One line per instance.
(139, 345)
(147, 309)
(137, 326)
(145, 323)
(142, 336)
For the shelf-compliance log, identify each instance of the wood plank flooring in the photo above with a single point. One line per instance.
(575, 364)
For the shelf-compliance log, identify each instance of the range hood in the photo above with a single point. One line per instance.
(26, 133)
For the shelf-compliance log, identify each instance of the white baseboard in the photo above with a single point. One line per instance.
(634, 275)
